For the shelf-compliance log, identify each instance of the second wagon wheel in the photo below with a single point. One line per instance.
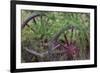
(63, 44)
(70, 43)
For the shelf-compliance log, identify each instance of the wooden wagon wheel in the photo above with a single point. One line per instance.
(54, 45)
(68, 48)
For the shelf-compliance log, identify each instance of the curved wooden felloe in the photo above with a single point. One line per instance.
(29, 18)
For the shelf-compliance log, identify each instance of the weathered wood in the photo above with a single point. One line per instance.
(34, 52)
(44, 53)
(29, 18)
(61, 31)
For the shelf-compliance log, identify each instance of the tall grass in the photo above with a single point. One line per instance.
(49, 23)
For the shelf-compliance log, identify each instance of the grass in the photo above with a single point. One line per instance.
(47, 25)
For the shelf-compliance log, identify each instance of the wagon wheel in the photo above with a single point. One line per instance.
(67, 46)
(33, 18)
(56, 49)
